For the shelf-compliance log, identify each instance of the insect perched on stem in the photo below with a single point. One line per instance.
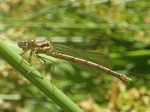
(92, 60)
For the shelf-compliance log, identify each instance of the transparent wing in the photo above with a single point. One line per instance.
(98, 58)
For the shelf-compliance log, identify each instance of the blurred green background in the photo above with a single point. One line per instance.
(120, 28)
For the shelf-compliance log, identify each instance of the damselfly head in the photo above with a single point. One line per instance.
(26, 44)
(23, 44)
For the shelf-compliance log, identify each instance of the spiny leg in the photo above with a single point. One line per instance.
(42, 62)
(43, 59)
(30, 56)
(53, 63)
(22, 55)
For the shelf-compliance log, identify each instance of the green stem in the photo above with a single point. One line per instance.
(37, 79)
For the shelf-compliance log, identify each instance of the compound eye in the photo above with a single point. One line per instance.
(23, 44)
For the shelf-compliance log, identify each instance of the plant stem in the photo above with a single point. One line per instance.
(37, 79)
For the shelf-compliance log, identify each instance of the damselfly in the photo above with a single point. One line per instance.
(94, 60)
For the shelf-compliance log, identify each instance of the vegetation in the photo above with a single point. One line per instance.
(118, 28)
